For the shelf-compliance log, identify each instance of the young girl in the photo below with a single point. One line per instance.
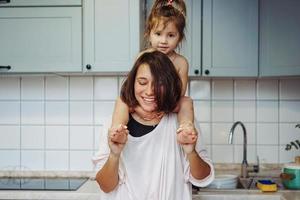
(164, 32)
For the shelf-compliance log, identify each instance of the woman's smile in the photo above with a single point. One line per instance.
(144, 89)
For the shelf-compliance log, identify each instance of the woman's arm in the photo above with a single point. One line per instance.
(108, 176)
(198, 167)
(187, 137)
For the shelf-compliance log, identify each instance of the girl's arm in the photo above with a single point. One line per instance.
(185, 109)
(185, 106)
(182, 66)
(120, 118)
(121, 113)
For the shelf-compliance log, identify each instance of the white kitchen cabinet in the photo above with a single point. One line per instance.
(279, 38)
(112, 34)
(39, 38)
(191, 47)
(230, 38)
(8, 3)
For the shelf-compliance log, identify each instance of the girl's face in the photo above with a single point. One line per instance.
(164, 39)
(143, 89)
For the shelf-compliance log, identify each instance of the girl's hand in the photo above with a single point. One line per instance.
(117, 138)
(187, 137)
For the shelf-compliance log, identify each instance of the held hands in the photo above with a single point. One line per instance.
(117, 138)
(187, 137)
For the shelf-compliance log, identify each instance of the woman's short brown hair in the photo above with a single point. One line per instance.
(167, 83)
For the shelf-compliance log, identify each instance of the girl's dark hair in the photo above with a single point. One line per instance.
(165, 12)
(166, 81)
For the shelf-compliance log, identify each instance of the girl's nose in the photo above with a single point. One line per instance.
(163, 39)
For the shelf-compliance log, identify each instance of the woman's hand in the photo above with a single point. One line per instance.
(117, 138)
(187, 137)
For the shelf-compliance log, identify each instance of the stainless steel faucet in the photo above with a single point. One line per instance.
(245, 169)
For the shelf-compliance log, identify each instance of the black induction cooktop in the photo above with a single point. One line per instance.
(64, 184)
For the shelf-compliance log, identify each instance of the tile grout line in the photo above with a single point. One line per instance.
(69, 121)
(20, 122)
(44, 93)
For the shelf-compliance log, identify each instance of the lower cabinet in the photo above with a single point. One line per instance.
(40, 39)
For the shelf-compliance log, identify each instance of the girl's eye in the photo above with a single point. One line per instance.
(171, 35)
(157, 33)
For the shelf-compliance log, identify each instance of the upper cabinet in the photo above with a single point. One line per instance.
(279, 37)
(230, 38)
(40, 36)
(112, 34)
(192, 45)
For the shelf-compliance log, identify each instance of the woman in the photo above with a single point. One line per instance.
(152, 159)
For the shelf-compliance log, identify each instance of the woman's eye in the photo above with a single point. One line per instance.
(142, 82)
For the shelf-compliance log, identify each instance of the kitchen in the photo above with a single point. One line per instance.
(64, 108)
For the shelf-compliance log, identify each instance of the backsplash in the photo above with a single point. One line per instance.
(54, 122)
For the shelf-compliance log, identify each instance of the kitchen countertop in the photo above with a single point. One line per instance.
(90, 190)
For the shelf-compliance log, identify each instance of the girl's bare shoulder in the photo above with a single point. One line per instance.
(180, 62)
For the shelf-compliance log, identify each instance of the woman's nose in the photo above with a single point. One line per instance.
(149, 90)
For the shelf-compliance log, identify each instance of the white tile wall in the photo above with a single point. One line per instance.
(57, 88)
(54, 122)
(9, 88)
(222, 89)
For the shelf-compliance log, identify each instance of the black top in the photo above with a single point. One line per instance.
(137, 129)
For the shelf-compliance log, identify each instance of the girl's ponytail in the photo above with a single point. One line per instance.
(178, 5)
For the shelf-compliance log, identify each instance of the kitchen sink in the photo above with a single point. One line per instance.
(244, 184)
(250, 183)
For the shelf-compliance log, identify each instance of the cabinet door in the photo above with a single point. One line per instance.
(279, 37)
(40, 39)
(40, 3)
(191, 46)
(230, 38)
(111, 34)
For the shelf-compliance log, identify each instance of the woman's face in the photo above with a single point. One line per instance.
(144, 89)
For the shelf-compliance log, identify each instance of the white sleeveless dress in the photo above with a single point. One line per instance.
(154, 166)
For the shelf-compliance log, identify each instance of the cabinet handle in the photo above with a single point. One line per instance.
(88, 67)
(206, 72)
(8, 67)
(196, 71)
(4, 1)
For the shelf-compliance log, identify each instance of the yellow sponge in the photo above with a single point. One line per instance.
(266, 185)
